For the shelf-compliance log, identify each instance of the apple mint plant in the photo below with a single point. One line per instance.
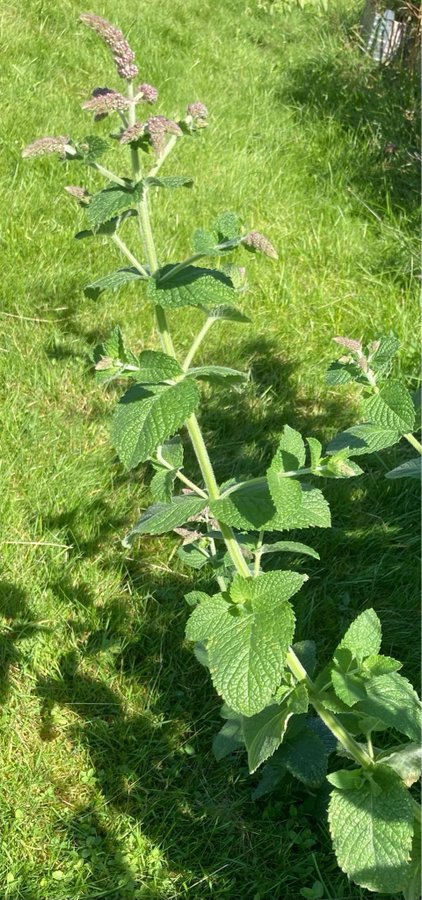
(287, 716)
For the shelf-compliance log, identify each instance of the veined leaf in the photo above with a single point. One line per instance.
(169, 181)
(290, 454)
(219, 374)
(406, 761)
(156, 367)
(162, 517)
(113, 200)
(226, 226)
(247, 644)
(162, 485)
(228, 313)
(107, 228)
(251, 508)
(364, 439)
(343, 373)
(363, 637)
(205, 242)
(289, 547)
(304, 754)
(264, 732)
(113, 359)
(372, 829)
(228, 739)
(144, 418)
(392, 407)
(113, 281)
(412, 888)
(392, 699)
(315, 448)
(191, 286)
(412, 468)
(380, 360)
(90, 148)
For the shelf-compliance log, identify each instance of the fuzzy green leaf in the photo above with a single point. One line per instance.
(349, 688)
(107, 228)
(226, 226)
(162, 517)
(406, 761)
(169, 181)
(289, 547)
(342, 373)
(91, 148)
(364, 439)
(412, 888)
(156, 367)
(191, 286)
(251, 507)
(227, 313)
(372, 830)
(192, 556)
(113, 200)
(291, 453)
(112, 282)
(228, 739)
(247, 644)
(392, 699)
(381, 359)
(304, 755)
(363, 637)
(392, 408)
(162, 485)
(264, 732)
(380, 665)
(219, 374)
(205, 242)
(315, 448)
(145, 417)
(412, 468)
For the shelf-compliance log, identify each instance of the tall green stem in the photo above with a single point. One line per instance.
(413, 441)
(201, 452)
(336, 728)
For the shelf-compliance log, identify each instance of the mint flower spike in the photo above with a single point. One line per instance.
(146, 92)
(78, 193)
(158, 127)
(257, 241)
(197, 111)
(114, 38)
(349, 343)
(45, 145)
(132, 133)
(105, 100)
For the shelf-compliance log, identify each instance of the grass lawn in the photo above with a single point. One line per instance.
(109, 787)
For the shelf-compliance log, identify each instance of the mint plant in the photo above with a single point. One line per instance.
(288, 718)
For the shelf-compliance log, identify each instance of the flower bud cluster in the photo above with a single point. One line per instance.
(257, 241)
(124, 57)
(43, 146)
(105, 100)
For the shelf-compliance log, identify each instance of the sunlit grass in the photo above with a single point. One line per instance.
(111, 789)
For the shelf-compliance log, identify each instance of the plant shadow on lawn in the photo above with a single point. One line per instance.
(377, 106)
(20, 625)
(156, 768)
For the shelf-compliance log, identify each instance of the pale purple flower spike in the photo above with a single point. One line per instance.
(197, 110)
(79, 193)
(114, 38)
(157, 127)
(105, 100)
(258, 241)
(43, 146)
(350, 343)
(147, 92)
(133, 133)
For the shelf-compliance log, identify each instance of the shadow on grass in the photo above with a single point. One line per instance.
(18, 625)
(377, 107)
